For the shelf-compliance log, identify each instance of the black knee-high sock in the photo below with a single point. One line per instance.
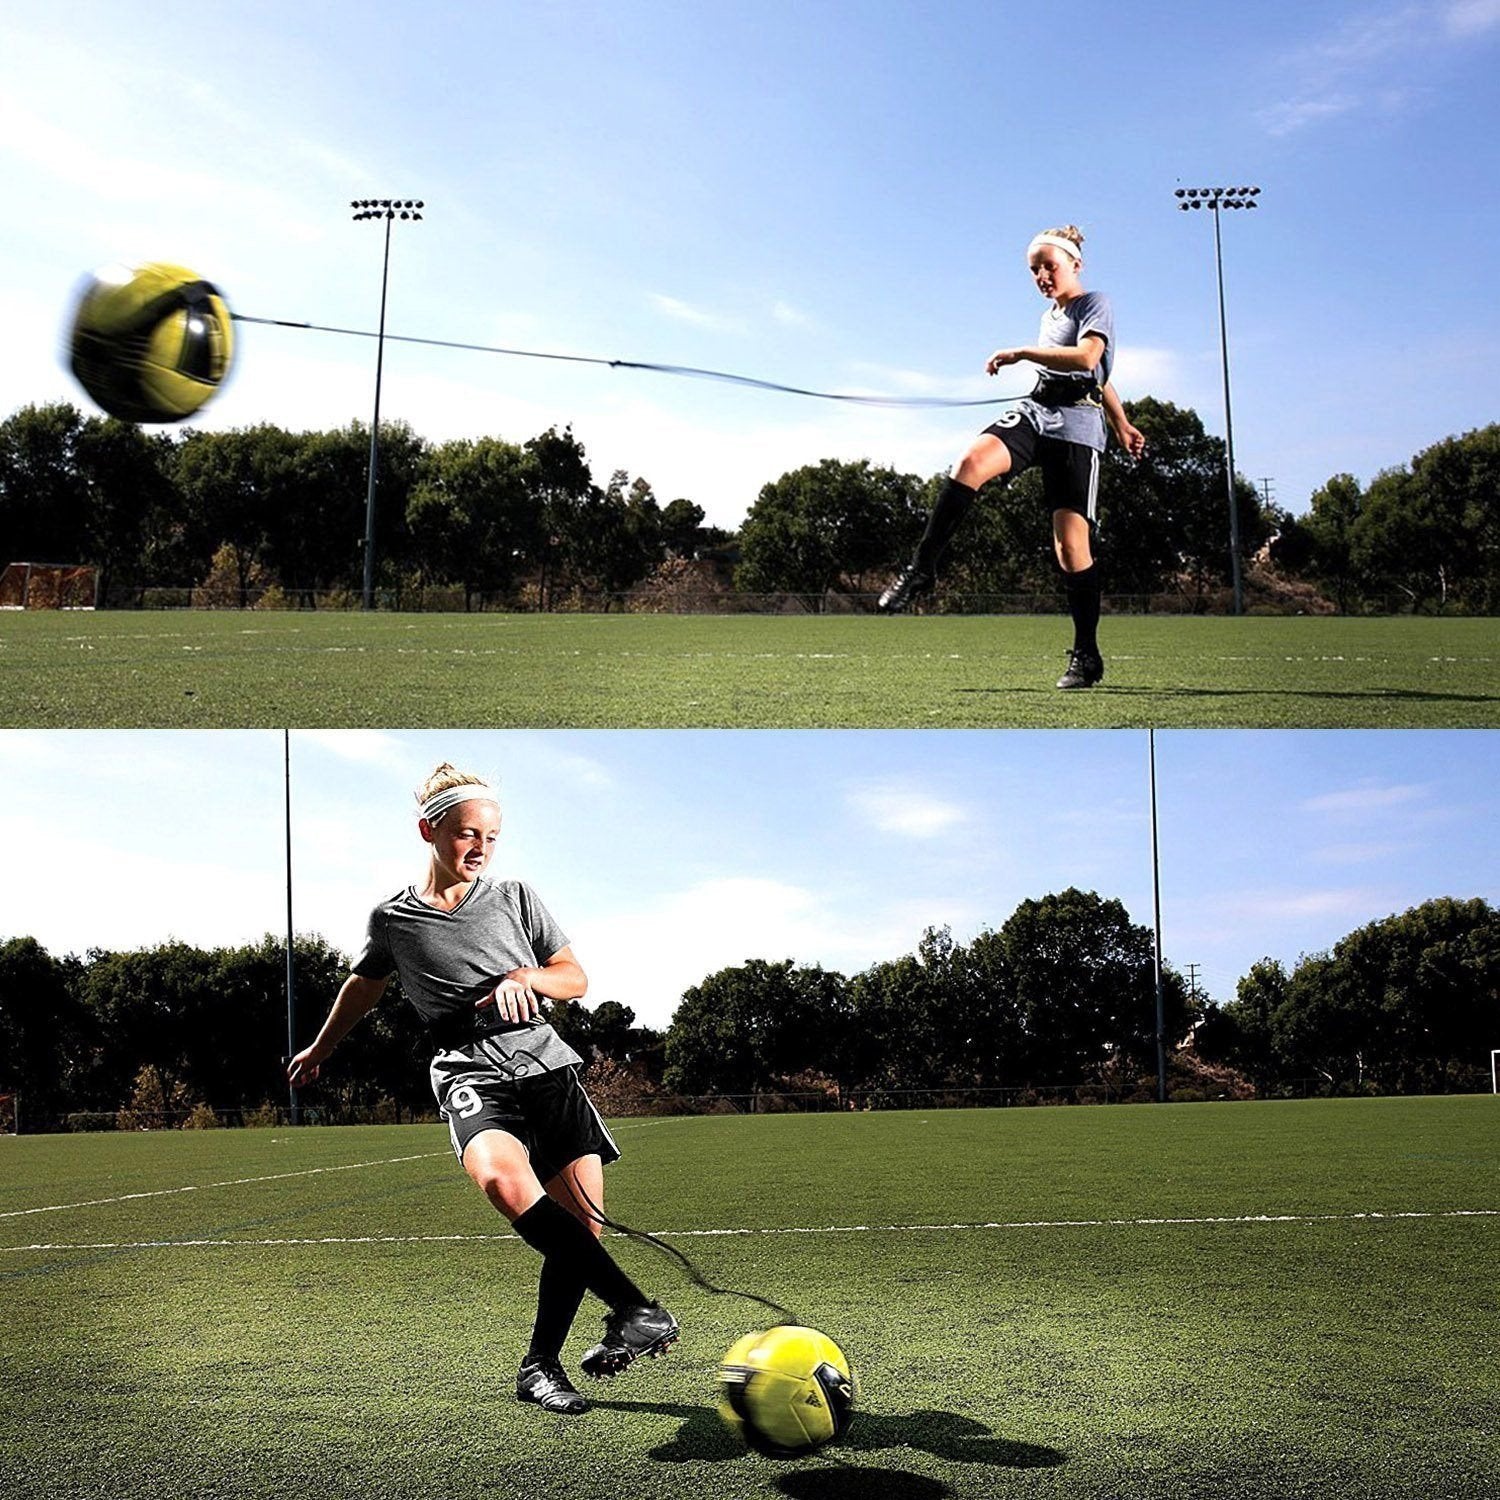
(952, 506)
(551, 1230)
(558, 1298)
(1083, 605)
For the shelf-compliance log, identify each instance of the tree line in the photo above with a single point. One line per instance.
(1061, 995)
(527, 525)
(1409, 1004)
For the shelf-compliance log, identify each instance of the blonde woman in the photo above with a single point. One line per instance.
(476, 958)
(1060, 428)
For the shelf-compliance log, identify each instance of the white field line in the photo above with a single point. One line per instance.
(202, 1187)
(199, 1187)
(688, 1234)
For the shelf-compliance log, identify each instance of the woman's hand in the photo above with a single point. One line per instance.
(1130, 438)
(1002, 357)
(304, 1067)
(513, 998)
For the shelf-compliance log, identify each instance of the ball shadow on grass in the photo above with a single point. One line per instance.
(943, 1434)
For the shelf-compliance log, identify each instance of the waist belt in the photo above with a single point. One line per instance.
(1060, 391)
(460, 1030)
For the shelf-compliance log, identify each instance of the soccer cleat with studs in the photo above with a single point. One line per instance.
(910, 582)
(629, 1333)
(545, 1382)
(1085, 669)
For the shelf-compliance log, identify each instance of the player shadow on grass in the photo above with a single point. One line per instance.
(943, 1434)
(1355, 694)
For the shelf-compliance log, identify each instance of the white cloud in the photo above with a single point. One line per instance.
(907, 811)
(1294, 906)
(697, 317)
(1367, 797)
(1465, 18)
(886, 380)
(1357, 853)
(1366, 63)
(584, 771)
(1141, 370)
(366, 747)
(645, 956)
(788, 316)
(1288, 116)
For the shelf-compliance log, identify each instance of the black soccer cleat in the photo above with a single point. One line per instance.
(1085, 669)
(545, 1382)
(629, 1333)
(905, 588)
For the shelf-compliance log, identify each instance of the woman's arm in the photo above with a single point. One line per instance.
(1127, 435)
(356, 999)
(1077, 359)
(518, 997)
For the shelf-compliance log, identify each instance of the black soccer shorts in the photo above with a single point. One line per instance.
(1070, 471)
(550, 1113)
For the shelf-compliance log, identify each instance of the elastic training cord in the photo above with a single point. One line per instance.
(581, 1197)
(691, 372)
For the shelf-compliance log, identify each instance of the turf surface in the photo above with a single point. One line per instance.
(284, 1326)
(306, 670)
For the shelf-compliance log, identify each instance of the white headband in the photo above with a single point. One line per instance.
(1067, 246)
(471, 791)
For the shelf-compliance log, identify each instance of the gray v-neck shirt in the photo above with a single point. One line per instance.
(447, 961)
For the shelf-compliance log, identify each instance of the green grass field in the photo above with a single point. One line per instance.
(1064, 1302)
(232, 669)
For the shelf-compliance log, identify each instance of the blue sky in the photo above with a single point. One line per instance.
(824, 193)
(669, 854)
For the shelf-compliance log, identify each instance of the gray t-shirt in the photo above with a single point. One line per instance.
(1066, 328)
(449, 960)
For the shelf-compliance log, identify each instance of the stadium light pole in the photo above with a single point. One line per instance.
(388, 209)
(1216, 198)
(1161, 1010)
(291, 978)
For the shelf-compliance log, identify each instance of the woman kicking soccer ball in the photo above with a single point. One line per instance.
(475, 957)
(1059, 427)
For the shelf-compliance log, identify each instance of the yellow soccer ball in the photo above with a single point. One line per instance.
(786, 1391)
(151, 343)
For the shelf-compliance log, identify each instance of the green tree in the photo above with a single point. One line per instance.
(234, 488)
(1334, 513)
(316, 542)
(744, 1028)
(825, 523)
(44, 497)
(1085, 986)
(1244, 1032)
(558, 473)
(43, 1038)
(1164, 519)
(473, 517)
(891, 1032)
(127, 476)
(611, 539)
(1402, 1004)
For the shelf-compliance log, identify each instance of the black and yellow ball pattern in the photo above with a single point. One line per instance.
(786, 1391)
(151, 343)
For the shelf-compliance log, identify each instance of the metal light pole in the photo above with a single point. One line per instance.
(291, 978)
(1217, 198)
(1161, 1011)
(389, 209)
